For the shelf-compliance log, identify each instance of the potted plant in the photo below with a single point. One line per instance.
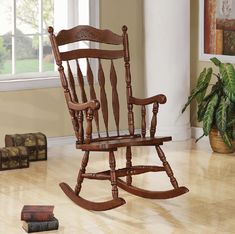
(216, 106)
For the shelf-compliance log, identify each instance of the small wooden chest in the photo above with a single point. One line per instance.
(13, 158)
(36, 144)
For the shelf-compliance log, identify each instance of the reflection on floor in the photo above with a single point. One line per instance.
(209, 207)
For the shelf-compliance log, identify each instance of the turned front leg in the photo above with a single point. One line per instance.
(81, 171)
(128, 165)
(112, 164)
(167, 167)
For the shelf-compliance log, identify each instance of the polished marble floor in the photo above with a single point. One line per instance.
(209, 207)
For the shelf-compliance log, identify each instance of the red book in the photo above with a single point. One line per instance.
(37, 213)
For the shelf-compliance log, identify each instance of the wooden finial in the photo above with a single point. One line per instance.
(50, 29)
(124, 28)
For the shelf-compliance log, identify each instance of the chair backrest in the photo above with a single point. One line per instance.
(88, 33)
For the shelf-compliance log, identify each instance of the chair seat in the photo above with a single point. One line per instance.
(115, 143)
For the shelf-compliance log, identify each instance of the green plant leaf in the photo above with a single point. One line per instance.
(200, 87)
(200, 95)
(227, 140)
(228, 76)
(192, 96)
(203, 105)
(231, 109)
(215, 61)
(201, 77)
(204, 81)
(209, 114)
(229, 131)
(201, 110)
(231, 123)
(215, 89)
(200, 90)
(221, 115)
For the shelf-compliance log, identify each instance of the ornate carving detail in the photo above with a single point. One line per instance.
(86, 34)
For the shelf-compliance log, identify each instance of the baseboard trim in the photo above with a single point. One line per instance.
(56, 141)
(178, 133)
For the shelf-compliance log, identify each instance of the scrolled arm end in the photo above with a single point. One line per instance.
(160, 98)
(92, 104)
(50, 30)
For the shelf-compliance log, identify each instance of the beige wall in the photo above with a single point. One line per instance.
(44, 109)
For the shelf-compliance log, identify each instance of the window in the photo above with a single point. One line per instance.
(25, 51)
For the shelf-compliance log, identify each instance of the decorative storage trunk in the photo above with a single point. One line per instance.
(36, 144)
(13, 157)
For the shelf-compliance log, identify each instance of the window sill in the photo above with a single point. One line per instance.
(32, 83)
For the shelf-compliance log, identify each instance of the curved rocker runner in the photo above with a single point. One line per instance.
(96, 206)
(93, 108)
(152, 194)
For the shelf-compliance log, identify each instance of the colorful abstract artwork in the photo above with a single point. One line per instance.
(219, 27)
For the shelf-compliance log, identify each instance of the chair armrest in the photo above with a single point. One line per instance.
(161, 98)
(92, 104)
(90, 108)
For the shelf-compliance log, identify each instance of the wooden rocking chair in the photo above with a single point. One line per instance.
(90, 108)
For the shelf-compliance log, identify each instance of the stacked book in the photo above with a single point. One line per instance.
(37, 218)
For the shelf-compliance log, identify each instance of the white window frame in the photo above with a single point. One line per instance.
(46, 79)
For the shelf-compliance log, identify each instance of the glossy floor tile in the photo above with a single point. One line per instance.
(209, 207)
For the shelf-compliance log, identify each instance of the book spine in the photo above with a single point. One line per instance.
(43, 226)
(32, 216)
